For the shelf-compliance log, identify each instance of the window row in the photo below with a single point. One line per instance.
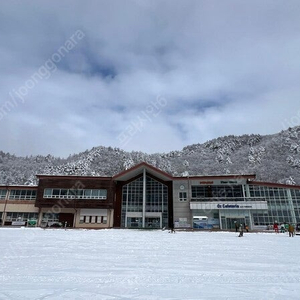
(271, 217)
(50, 217)
(22, 194)
(267, 192)
(217, 191)
(20, 216)
(93, 220)
(18, 194)
(78, 194)
(295, 194)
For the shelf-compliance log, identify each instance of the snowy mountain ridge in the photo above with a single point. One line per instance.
(274, 158)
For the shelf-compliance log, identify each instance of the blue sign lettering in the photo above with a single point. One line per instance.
(228, 206)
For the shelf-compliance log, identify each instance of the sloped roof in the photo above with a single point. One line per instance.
(138, 169)
(225, 176)
(272, 184)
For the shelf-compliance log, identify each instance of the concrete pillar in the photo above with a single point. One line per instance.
(144, 197)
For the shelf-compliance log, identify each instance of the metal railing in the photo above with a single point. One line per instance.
(227, 199)
(21, 197)
(73, 197)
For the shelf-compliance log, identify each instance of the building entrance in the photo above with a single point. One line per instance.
(144, 203)
(66, 219)
(233, 222)
(152, 223)
(134, 222)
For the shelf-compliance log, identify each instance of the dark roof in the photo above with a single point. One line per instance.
(210, 177)
(74, 176)
(271, 184)
(137, 169)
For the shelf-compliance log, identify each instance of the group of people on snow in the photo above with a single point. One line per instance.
(290, 228)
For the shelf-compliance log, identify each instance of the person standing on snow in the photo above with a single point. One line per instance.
(241, 230)
(275, 227)
(291, 230)
(172, 228)
(236, 226)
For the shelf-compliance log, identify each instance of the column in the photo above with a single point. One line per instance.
(4, 210)
(144, 197)
(291, 206)
(40, 217)
(125, 225)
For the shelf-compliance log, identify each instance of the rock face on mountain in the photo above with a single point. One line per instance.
(274, 158)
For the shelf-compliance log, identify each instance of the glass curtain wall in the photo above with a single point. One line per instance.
(235, 193)
(295, 195)
(282, 206)
(152, 211)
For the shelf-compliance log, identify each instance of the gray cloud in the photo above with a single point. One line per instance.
(223, 67)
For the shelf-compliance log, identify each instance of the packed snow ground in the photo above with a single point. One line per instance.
(149, 265)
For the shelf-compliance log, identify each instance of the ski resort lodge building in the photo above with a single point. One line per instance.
(146, 197)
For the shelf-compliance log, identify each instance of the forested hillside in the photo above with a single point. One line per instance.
(274, 158)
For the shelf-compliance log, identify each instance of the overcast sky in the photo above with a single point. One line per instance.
(151, 76)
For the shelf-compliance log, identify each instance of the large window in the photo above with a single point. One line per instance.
(201, 191)
(133, 196)
(217, 191)
(156, 203)
(50, 217)
(267, 192)
(93, 220)
(296, 203)
(76, 194)
(2, 193)
(182, 196)
(234, 191)
(156, 196)
(20, 216)
(280, 205)
(22, 194)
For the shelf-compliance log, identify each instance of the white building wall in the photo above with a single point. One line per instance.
(182, 212)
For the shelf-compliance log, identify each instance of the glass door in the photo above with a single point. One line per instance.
(152, 222)
(232, 223)
(134, 222)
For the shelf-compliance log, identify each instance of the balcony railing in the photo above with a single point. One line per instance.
(73, 197)
(228, 199)
(18, 197)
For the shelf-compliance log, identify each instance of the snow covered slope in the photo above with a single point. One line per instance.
(147, 265)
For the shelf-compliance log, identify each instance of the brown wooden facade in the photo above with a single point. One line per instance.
(70, 209)
(75, 182)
